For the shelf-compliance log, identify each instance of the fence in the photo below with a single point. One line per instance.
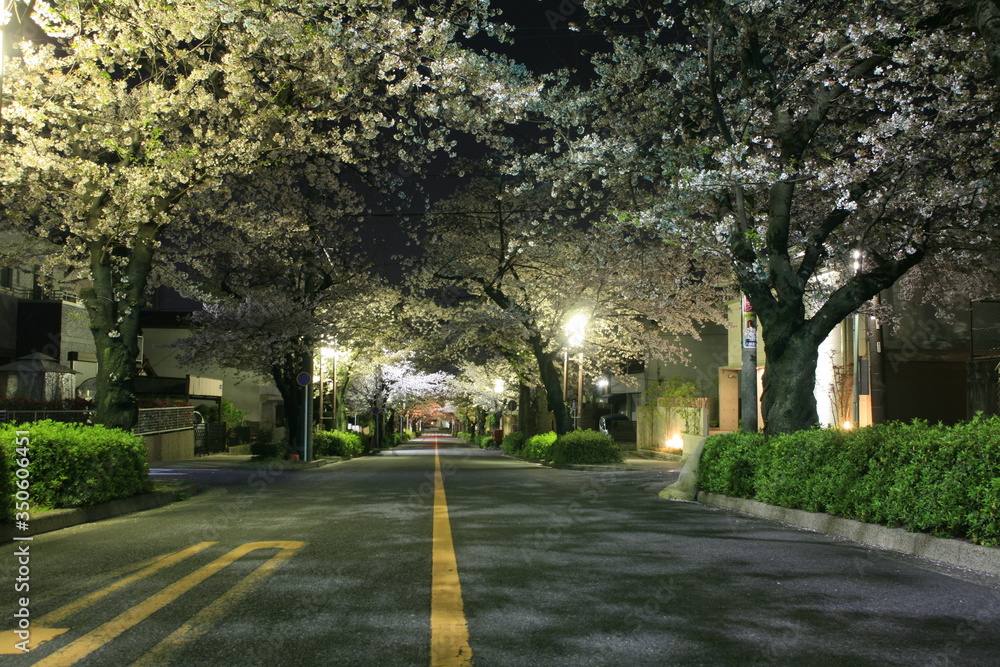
(162, 420)
(24, 416)
(151, 420)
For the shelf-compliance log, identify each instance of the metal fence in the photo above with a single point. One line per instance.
(986, 329)
(163, 420)
(24, 416)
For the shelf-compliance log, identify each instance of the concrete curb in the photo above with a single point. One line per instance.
(951, 551)
(46, 522)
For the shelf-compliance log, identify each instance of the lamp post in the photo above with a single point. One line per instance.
(855, 361)
(575, 331)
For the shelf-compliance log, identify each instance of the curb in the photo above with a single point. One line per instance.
(955, 552)
(46, 522)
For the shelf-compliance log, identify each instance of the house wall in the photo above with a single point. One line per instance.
(927, 355)
(242, 391)
(8, 328)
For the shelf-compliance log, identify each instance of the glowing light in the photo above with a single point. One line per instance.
(676, 442)
(848, 425)
(575, 329)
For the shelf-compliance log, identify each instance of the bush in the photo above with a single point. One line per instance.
(513, 443)
(729, 463)
(337, 443)
(75, 465)
(586, 446)
(485, 441)
(539, 447)
(264, 449)
(934, 479)
(232, 416)
(7, 469)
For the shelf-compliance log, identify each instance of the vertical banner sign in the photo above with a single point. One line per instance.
(749, 326)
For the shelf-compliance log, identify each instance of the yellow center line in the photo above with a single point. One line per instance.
(93, 640)
(449, 631)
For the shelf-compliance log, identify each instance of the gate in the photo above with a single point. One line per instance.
(209, 438)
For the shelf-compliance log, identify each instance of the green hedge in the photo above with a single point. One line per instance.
(925, 478)
(586, 446)
(513, 443)
(539, 447)
(337, 443)
(75, 465)
(7, 469)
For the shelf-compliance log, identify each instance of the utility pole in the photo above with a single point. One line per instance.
(876, 366)
(748, 374)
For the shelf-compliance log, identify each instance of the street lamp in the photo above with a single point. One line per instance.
(334, 354)
(324, 353)
(575, 332)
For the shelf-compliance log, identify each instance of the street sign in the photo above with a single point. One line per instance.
(303, 379)
(376, 410)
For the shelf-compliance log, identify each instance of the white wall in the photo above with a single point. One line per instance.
(241, 389)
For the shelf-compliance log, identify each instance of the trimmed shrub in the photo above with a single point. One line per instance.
(337, 443)
(7, 469)
(933, 479)
(485, 441)
(76, 465)
(539, 447)
(729, 463)
(586, 446)
(513, 443)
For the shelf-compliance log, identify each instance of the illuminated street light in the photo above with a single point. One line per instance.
(575, 330)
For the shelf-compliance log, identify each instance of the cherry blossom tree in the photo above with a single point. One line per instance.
(510, 270)
(391, 383)
(825, 151)
(481, 390)
(291, 275)
(116, 113)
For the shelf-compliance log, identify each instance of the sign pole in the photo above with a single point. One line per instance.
(304, 379)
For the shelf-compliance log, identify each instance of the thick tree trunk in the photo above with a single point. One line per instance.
(113, 301)
(115, 403)
(789, 400)
(552, 381)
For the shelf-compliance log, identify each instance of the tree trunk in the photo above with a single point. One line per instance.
(113, 301)
(285, 372)
(525, 413)
(789, 400)
(552, 381)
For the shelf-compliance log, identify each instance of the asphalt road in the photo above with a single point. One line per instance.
(332, 566)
